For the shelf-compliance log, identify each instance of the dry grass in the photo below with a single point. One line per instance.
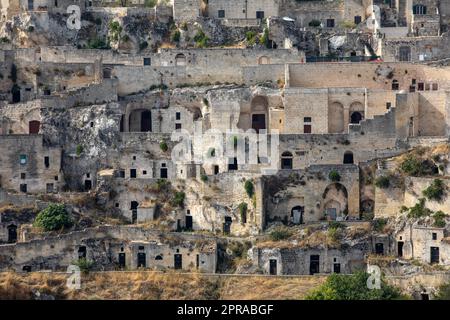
(155, 286)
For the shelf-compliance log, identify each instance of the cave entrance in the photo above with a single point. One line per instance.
(314, 264)
(12, 233)
(177, 261)
(122, 260)
(273, 267)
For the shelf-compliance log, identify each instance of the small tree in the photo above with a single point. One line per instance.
(178, 199)
(54, 217)
(435, 191)
(382, 182)
(163, 146)
(243, 212)
(249, 188)
(79, 150)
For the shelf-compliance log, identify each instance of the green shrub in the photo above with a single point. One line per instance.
(382, 182)
(79, 150)
(264, 40)
(54, 217)
(334, 176)
(84, 265)
(178, 199)
(336, 225)
(379, 224)
(115, 29)
(280, 233)
(176, 35)
(201, 39)
(435, 191)
(163, 146)
(249, 188)
(439, 219)
(30, 29)
(250, 36)
(352, 287)
(314, 23)
(443, 292)
(243, 212)
(97, 43)
(415, 167)
(204, 177)
(150, 3)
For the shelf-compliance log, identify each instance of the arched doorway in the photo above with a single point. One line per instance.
(348, 157)
(12, 233)
(286, 160)
(297, 214)
(356, 117)
(33, 127)
(335, 201)
(180, 60)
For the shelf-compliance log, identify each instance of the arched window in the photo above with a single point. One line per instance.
(180, 60)
(348, 157)
(158, 257)
(419, 9)
(356, 117)
(286, 160)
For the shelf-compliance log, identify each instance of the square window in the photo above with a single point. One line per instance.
(259, 14)
(177, 126)
(178, 116)
(117, 204)
(163, 165)
(49, 187)
(307, 128)
(420, 86)
(147, 61)
(144, 172)
(88, 175)
(388, 105)
(56, 178)
(23, 176)
(134, 157)
(307, 119)
(221, 13)
(330, 23)
(23, 159)
(435, 86)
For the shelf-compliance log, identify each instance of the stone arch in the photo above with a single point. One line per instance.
(263, 60)
(180, 60)
(335, 201)
(336, 117)
(356, 117)
(348, 157)
(140, 120)
(286, 160)
(259, 112)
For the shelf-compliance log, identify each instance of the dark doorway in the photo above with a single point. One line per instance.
(330, 23)
(82, 252)
(337, 268)
(26, 268)
(122, 260)
(356, 117)
(47, 162)
(23, 188)
(122, 117)
(232, 164)
(142, 261)
(297, 214)
(12, 233)
(163, 173)
(307, 128)
(273, 267)
(15, 94)
(188, 222)
(177, 261)
(133, 173)
(30, 5)
(216, 169)
(434, 255)
(286, 161)
(258, 122)
(348, 158)
(424, 296)
(133, 207)
(33, 127)
(146, 121)
(314, 264)
(357, 19)
(379, 248)
(87, 185)
(259, 14)
(227, 225)
(400, 248)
